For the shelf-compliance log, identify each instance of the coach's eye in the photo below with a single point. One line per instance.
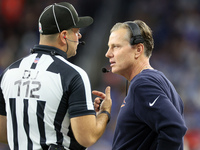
(116, 46)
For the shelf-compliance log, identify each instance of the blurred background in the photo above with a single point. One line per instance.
(176, 31)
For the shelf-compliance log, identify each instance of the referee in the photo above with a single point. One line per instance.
(45, 101)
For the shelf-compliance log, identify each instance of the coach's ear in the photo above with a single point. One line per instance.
(139, 50)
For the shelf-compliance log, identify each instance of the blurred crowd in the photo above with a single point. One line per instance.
(176, 30)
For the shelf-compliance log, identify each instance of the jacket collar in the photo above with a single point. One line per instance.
(48, 50)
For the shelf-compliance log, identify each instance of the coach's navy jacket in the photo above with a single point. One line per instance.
(151, 116)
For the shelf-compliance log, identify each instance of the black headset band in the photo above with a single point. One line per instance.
(136, 33)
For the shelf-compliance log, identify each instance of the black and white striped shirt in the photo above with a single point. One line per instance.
(39, 94)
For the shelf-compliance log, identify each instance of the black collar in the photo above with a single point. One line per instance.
(48, 50)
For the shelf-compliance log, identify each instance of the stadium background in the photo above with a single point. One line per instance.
(176, 30)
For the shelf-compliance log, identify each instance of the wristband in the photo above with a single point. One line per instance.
(108, 114)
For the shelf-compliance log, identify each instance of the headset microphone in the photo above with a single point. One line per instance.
(104, 70)
(80, 42)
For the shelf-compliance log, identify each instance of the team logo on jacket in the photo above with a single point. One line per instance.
(124, 103)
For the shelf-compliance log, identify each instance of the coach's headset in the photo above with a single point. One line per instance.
(136, 38)
(136, 33)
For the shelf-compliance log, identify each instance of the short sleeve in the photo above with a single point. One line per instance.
(80, 99)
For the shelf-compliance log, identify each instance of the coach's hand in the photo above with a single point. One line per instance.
(104, 105)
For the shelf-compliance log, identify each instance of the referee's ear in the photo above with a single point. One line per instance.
(63, 37)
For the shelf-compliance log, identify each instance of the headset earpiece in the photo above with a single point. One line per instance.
(137, 37)
(64, 37)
